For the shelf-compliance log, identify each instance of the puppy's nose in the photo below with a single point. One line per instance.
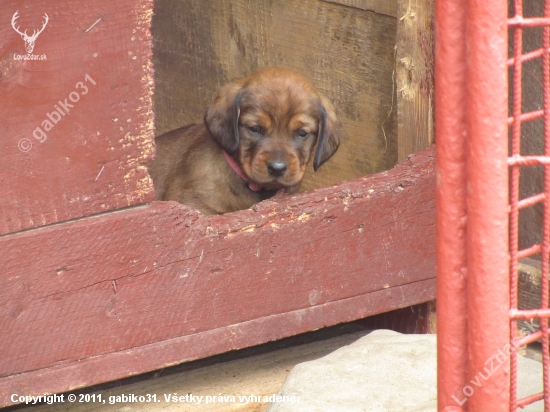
(277, 168)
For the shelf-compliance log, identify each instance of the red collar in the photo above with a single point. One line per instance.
(255, 187)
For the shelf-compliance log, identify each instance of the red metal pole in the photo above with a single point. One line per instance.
(487, 207)
(450, 126)
(545, 244)
(514, 195)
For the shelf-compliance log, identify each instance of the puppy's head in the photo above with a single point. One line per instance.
(273, 122)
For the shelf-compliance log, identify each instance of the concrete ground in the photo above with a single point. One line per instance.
(386, 371)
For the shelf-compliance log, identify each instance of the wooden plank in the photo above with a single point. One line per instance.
(414, 76)
(161, 284)
(346, 52)
(387, 7)
(166, 353)
(415, 85)
(90, 157)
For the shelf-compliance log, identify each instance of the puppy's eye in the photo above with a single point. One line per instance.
(255, 129)
(302, 133)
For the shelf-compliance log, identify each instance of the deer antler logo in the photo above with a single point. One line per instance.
(29, 40)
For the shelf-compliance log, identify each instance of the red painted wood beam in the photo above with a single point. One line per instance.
(128, 292)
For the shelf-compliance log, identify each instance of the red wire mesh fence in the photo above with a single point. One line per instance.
(518, 161)
(482, 154)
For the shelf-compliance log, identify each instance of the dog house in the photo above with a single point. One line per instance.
(98, 282)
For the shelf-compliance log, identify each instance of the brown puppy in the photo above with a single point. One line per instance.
(257, 138)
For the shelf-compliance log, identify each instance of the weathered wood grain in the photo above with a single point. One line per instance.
(414, 76)
(91, 160)
(123, 293)
(414, 71)
(348, 54)
(387, 7)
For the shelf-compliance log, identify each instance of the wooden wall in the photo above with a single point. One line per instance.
(63, 164)
(347, 50)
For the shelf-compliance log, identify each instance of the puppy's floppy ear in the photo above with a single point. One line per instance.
(222, 117)
(328, 138)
